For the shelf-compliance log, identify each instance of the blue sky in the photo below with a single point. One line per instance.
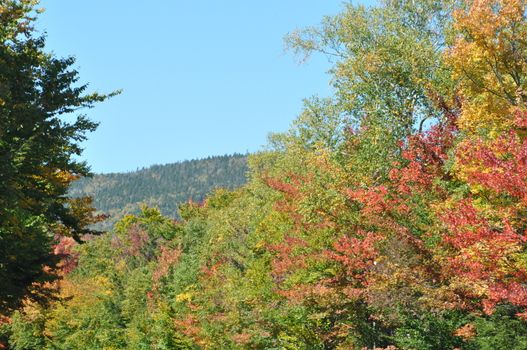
(199, 78)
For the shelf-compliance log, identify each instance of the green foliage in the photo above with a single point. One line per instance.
(430, 331)
(500, 331)
(376, 222)
(109, 290)
(389, 70)
(38, 150)
(26, 331)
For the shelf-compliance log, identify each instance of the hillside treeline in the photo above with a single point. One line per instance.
(390, 216)
(160, 186)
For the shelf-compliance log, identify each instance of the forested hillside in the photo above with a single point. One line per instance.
(160, 186)
(391, 215)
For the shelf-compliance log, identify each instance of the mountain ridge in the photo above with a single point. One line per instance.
(164, 186)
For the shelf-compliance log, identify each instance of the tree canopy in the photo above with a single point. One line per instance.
(390, 216)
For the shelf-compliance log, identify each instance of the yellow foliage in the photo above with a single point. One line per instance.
(184, 297)
(489, 59)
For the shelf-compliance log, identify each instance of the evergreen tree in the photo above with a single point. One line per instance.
(37, 149)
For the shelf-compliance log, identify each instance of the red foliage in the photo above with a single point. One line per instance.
(287, 258)
(467, 228)
(485, 243)
(291, 191)
(500, 166)
(466, 332)
(356, 255)
(482, 253)
(513, 292)
(134, 244)
(289, 188)
(69, 257)
(168, 258)
(189, 326)
(212, 270)
(424, 155)
(375, 200)
(242, 338)
(520, 119)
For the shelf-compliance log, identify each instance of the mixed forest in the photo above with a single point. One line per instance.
(161, 186)
(392, 215)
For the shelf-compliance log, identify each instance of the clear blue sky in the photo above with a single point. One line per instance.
(199, 78)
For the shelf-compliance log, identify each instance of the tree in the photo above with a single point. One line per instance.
(389, 68)
(329, 245)
(37, 152)
(488, 57)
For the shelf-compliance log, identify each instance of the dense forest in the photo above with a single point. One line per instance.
(160, 186)
(392, 214)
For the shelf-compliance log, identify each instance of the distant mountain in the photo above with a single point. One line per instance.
(161, 186)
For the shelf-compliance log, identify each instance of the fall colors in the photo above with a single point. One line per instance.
(390, 216)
